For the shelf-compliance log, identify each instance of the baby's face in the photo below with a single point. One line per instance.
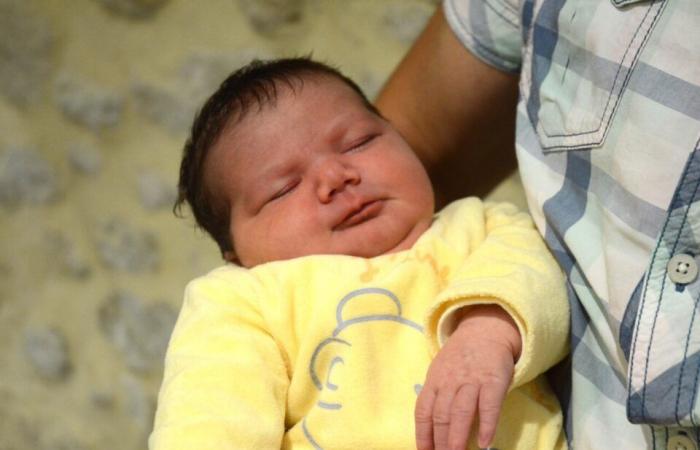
(316, 172)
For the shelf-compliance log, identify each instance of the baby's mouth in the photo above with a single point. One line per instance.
(366, 211)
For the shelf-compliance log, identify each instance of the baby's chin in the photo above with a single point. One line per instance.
(399, 243)
(368, 246)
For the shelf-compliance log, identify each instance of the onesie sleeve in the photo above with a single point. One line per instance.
(510, 266)
(225, 380)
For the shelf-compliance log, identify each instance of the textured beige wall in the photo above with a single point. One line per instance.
(95, 100)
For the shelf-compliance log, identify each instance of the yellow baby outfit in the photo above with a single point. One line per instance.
(329, 351)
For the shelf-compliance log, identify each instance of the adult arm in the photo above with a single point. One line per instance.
(456, 111)
(225, 379)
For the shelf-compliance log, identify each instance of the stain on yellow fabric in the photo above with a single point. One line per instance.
(369, 273)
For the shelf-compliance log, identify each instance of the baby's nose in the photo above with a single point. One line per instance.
(333, 177)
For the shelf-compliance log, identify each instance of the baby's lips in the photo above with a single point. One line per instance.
(360, 213)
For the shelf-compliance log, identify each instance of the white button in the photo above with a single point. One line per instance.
(682, 269)
(680, 442)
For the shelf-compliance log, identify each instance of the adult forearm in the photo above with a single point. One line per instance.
(456, 111)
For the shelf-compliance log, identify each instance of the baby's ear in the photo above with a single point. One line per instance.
(230, 256)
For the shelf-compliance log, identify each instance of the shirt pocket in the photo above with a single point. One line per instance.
(578, 64)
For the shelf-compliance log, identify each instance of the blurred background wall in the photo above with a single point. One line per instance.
(96, 97)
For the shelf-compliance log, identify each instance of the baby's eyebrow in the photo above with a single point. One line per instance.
(274, 170)
(344, 125)
(261, 183)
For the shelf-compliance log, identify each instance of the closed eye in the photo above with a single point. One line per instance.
(361, 143)
(284, 191)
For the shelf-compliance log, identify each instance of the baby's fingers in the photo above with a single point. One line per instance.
(442, 411)
(490, 401)
(462, 416)
(424, 419)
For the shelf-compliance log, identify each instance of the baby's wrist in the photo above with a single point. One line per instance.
(492, 323)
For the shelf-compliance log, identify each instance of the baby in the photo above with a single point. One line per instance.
(349, 311)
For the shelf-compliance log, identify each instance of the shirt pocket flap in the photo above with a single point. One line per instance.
(581, 59)
(622, 3)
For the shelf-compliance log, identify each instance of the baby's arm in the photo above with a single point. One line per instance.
(469, 376)
(508, 308)
(225, 378)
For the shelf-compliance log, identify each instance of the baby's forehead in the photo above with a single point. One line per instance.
(290, 92)
(304, 86)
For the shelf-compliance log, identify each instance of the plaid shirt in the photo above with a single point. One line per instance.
(609, 153)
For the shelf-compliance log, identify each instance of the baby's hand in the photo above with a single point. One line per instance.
(469, 376)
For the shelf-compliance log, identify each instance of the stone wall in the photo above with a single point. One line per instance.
(95, 100)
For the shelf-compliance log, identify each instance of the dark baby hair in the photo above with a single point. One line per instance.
(252, 86)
